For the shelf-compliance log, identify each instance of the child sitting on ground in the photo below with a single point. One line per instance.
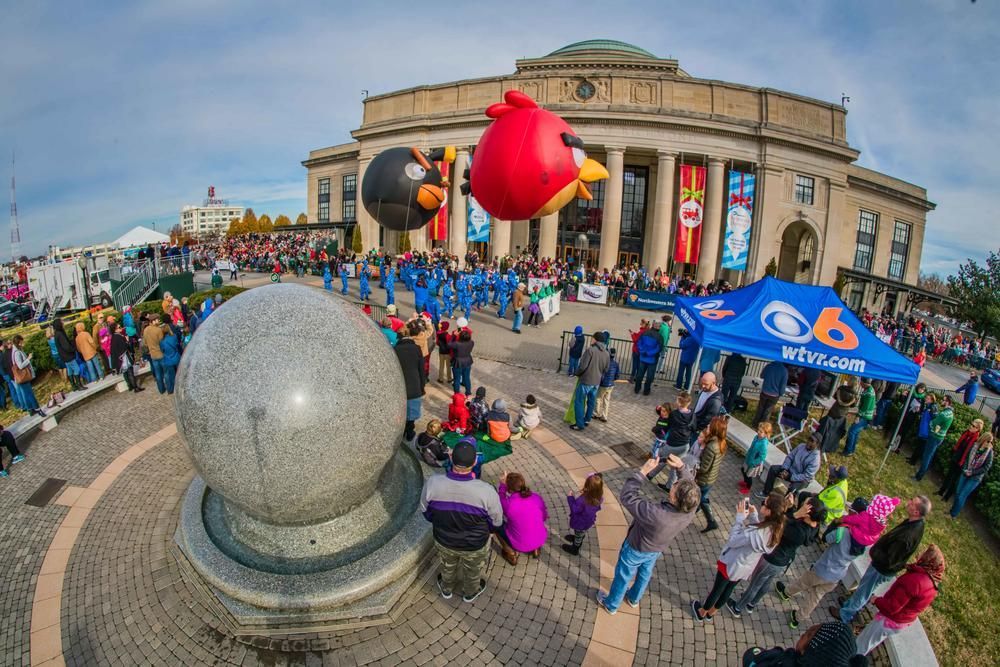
(528, 418)
(458, 414)
(478, 407)
(498, 422)
(753, 463)
(429, 446)
(583, 511)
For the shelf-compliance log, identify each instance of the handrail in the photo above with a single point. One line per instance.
(137, 285)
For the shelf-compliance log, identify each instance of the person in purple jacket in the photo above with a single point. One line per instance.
(524, 517)
(583, 511)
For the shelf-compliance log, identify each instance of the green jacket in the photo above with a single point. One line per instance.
(866, 404)
(665, 334)
(941, 423)
(835, 499)
(709, 464)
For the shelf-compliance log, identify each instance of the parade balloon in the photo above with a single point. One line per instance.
(403, 189)
(529, 162)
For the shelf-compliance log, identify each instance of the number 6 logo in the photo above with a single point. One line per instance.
(786, 322)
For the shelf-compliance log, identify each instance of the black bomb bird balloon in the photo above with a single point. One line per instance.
(403, 189)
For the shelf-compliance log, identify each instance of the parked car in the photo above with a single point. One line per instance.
(991, 379)
(14, 313)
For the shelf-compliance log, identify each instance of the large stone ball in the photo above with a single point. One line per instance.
(290, 402)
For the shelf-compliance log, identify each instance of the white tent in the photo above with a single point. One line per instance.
(140, 236)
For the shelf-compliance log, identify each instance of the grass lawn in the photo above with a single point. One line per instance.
(963, 621)
(45, 385)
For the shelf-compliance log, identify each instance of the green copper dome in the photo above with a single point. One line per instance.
(609, 45)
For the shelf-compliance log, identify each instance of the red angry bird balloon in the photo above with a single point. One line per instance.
(529, 162)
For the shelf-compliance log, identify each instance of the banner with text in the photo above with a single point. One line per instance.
(478, 222)
(592, 293)
(539, 283)
(549, 307)
(438, 230)
(690, 214)
(738, 221)
(645, 300)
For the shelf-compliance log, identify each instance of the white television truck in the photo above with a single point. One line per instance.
(61, 286)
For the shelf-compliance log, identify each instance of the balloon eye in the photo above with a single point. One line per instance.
(415, 171)
(579, 156)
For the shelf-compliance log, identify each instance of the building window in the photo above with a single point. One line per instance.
(583, 216)
(324, 186)
(323, 199)
(634, 201)
(900, 250)
(350, 195)
(805, 188)
(865, 250)
(323, 214)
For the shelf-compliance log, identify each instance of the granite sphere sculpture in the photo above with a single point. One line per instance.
(291, 404)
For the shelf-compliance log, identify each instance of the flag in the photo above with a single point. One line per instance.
(439, 223)
(690, 214)
(478, 222)
(738, 221)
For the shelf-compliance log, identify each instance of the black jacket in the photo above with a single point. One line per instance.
(412, 364)
(6, 360)
(711, 409)
(733, 370)
(890, 554)
(65, 347)
(681, 428)
(119, 347)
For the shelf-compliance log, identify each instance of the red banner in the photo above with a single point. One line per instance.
(690, 214)
(438, 228)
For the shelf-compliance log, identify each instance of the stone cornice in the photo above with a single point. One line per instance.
(886, 191)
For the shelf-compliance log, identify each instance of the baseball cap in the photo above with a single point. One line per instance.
(390, 309)
(464, 454)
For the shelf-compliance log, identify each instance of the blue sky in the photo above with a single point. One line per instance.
(122, 113)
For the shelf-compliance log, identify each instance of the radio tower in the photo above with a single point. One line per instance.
(15, 231)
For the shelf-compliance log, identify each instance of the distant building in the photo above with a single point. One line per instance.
(212, 217)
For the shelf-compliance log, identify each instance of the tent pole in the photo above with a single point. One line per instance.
(695, 376)
(899, 424)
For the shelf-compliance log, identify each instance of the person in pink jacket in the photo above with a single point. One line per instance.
(524, 513)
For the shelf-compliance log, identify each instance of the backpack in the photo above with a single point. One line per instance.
(740, 404)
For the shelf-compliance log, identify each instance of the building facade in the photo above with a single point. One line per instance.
(816, 213)
(209, 219)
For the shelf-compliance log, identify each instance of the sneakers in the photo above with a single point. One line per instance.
(733, 609)
(17, 459)
(601, 599)
(695, 604)
(779, 589)
(634, 605)
(574, 427)
(748, 610)
(3, 473)
(445, 594)
(793, 620)
(569, 538)
(472, 598)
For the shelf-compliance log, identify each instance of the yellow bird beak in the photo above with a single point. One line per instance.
(591, 171)
(430, 197)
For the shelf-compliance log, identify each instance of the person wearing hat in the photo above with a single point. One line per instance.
(593, 364)
(576, 350)
(829, 644)
(834, 494)
(518, 303)
(411, 362)
(463, 511)
(394, 321)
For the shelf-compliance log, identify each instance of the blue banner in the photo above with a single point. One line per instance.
(478, 221)
(738, 221)
(645, 300)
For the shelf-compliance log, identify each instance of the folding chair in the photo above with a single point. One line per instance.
(791, 422)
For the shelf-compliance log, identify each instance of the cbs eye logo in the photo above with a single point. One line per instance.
(782, 320)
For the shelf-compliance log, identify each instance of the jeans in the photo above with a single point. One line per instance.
(586, 394)
(645, 376)
(27, 396)
(518, 318)
(574, 364)
(881, 410)
(93, 369)
(461, 378)
(760, 583)
(631, 563)
(929, 450)
(874, 634)
(871, 580)
(684, 375)
(15, 395)
(852, 435)
(158, 370)
(169, 375)
(966, 485)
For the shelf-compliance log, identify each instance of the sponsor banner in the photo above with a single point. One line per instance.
(738, 221)
(592, 293)
(549, 307)
(690, 214)
(539, 283)
(645, 300)
(438, 228)
(478, 222)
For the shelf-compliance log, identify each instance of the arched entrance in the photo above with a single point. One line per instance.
(797, 258)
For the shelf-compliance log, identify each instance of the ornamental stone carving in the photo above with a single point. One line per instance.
(642, 92)
(532, 89)
(583, 90)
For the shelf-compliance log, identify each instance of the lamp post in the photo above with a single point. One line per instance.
(82, 263)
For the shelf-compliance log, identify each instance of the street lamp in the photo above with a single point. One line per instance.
(82, 263)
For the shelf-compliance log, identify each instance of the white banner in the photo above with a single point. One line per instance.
(539, 283)
(549, 307)
(592, 293)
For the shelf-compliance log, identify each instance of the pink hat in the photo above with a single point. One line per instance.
(881, 507)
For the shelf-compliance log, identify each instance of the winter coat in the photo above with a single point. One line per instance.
(171, 348)
(461, 353)
(654, 525)
(834, 498)
(593, 364)
(151, 337)
(612, 374)
(709, 463)
(576, 349)
(908, 596)
(940, 424)
(524, 520)
(831, 431)
(689, 350)
(733, 370)
(66, 349)
(477, 414)
(85, 343)
(650, 345)
(432, 450)
(978, 472)
(775, 377)
(582, 515)
(757, 453)
(866, 404)
(966, 443)
(681, 427)
(119, 347)
(802, 464)
(893, 549)
(844, 399)
(458, 414)
(711, 409)
(747, 543)
(412, 364)
(530, 416)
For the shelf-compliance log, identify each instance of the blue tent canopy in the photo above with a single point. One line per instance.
(802, 325)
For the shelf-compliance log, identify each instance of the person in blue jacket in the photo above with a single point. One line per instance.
(448, 296)
(343, 277)
(709, 358)
(971, 389)
(390, 285)
(363, 286)
(650, 345)
(327, 279)
(576, 350)
(503, 294)
(689, 352)
(171, 347)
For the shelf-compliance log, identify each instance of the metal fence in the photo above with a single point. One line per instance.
(377, 312)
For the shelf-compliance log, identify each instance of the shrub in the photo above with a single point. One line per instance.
(227, 292)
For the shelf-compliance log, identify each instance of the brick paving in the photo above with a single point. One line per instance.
(128, 596)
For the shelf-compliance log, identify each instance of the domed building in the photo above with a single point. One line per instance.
(768, 174)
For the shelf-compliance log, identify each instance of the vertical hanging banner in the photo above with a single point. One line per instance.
(738, 221)
(478, 222)
(690, 214)
(438, 229)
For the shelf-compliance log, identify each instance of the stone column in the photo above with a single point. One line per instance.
(828, 247)
(368, 224)
(500, 238)
(611, 225)
(711, 225)
(663, 213)
(548, 232)
(519, 234)
(770, 180)
(457, 232)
